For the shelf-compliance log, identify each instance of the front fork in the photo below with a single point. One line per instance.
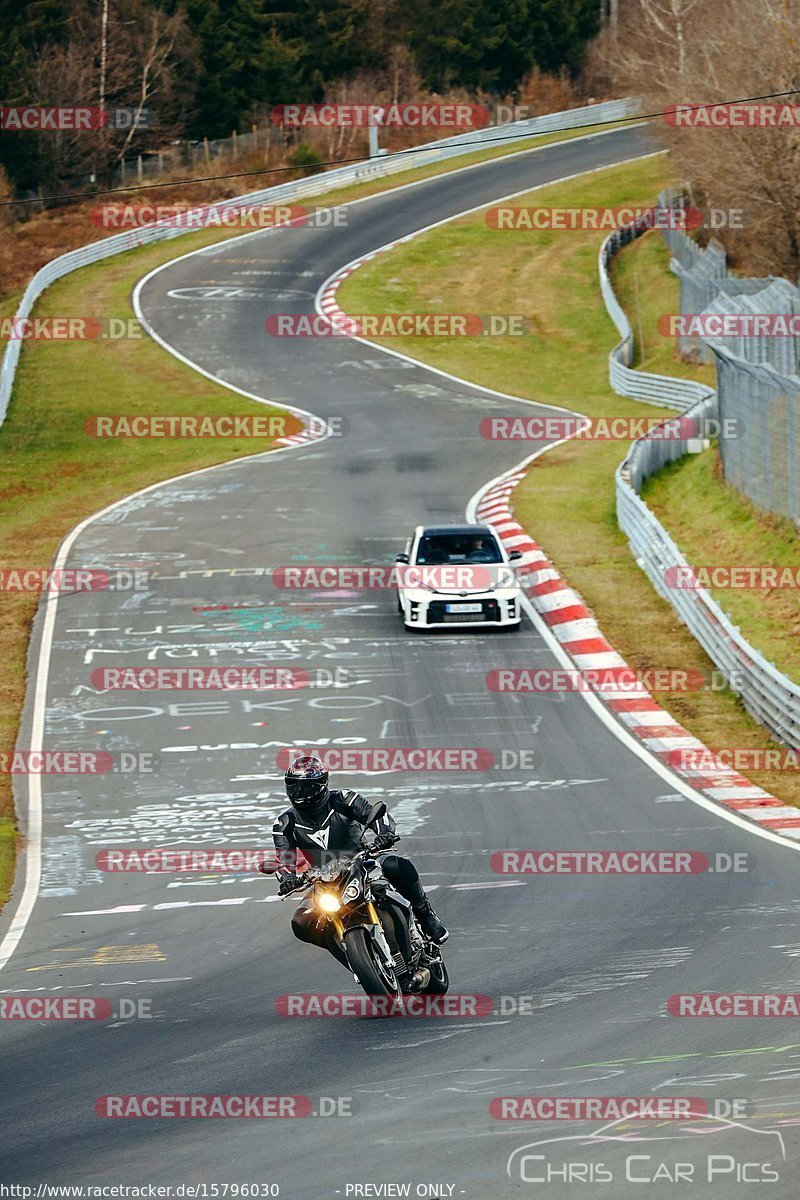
(378, 935)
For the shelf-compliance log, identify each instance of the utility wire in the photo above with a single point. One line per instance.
(332, 162)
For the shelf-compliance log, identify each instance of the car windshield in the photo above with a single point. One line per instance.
(436, 549)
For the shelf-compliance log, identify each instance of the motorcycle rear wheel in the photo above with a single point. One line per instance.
(374, 980)
(439, 981)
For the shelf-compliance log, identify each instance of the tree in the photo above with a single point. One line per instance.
(681, 51)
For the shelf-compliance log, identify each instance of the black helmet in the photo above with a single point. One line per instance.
(307, 783)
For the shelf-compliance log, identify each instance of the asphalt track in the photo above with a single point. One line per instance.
(598, 956)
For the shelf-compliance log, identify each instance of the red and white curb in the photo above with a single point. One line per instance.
(306, 436)
(565, 613)
(578, 633)
(327, 303)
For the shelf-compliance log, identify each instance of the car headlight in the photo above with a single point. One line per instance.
(353, 890)
(328, 902)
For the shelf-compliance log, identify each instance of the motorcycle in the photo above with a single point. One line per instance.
(374, 925)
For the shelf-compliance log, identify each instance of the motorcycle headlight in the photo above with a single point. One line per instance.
(328, 902)
(353, 890)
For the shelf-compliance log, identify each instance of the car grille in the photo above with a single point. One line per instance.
(437, 614)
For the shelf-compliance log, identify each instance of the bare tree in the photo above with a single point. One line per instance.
(681, 52)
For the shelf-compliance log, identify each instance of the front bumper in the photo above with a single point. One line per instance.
(435, 610)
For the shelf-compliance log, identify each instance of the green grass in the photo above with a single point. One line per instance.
(714, 524)
(633, 273)
(567, 501)
(711, 521)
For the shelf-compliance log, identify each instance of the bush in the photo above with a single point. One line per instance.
(306, 158)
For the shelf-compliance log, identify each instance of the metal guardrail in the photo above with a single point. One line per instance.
(660, 390)
(769, 695)
(464, 143)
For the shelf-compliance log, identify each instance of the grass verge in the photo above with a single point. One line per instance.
(711, 521)
(567, 501)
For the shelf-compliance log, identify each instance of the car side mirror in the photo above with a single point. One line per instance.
(403, 558)
(514, 555)
(375, 813)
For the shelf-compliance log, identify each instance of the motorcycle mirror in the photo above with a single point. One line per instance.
(375, 813)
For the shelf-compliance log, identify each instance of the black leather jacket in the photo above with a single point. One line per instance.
(334, 829)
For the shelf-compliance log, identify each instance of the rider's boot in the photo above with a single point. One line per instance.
(425, 917)
(429, 923)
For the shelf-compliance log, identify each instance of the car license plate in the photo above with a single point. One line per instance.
(463, 608)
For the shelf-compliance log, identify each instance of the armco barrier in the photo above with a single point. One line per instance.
(463, 143)
(661, 390)
(771, 697)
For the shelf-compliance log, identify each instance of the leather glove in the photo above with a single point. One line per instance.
(383, 841)
(287, 884)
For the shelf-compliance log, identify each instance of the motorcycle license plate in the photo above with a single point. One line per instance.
(463, 608)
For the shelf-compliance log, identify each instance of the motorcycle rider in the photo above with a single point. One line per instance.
(321, 819)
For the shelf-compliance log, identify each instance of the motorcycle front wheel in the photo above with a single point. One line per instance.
(374, 977)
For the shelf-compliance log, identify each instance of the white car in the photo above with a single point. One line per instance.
(458, 575)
